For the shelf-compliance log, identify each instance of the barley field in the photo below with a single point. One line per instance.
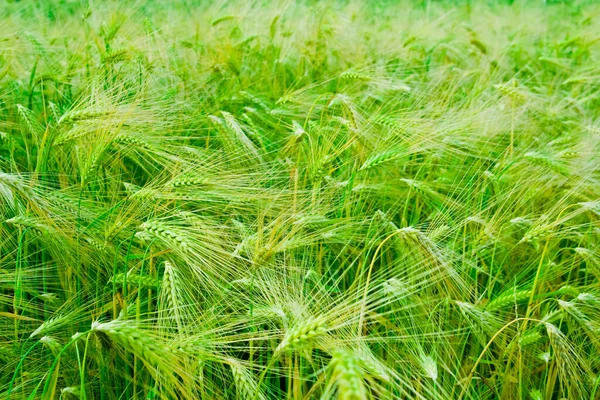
(300, 199)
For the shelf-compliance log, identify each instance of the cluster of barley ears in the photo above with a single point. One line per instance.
(299, 200)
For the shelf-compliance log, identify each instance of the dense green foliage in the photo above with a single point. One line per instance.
(268, 200)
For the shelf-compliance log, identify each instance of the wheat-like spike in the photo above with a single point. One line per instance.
(114, 229)
(49, 298)
(95, 244)
(89, 113)
(395, 288)
(93, 164)
(4, 137)
(568, 361)
(62, 200)
(507, 299)
(536, 233)
(352, 75)
(132, 141)
(31, 223)
(536, 394)
(135, 340)
(482, 320)
(378, 159)
(372, 363)
(253, 130)
(528, 338)
(417, 239)
(170, 294)
(511, 90)
(245, 383)
(11, 186)
(302, 333)
(255, 100)
(419, 187)
(352, 112)
(142, 193)
(51, 324)
(387, 122)
(521, 221)
(116, 56)
(429, 366)
(70, 390)
(568, 154)
(32, 125)
(347, 375)
(144, 281)
(568, 290)
(588, 298)
(73, 132)
(546, 161)
(233, 125)
(479, 45)
(553, 315)
(571, 309)
(383, 217)
(51, 343)
(159, 230)
(190, 181)
(55, 110)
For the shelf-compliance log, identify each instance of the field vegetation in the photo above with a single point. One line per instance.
(299, 200)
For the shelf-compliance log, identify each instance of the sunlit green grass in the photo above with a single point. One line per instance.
(289, 200)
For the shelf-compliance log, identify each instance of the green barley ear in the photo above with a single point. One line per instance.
(483, 322)
(396, 289)
(183, 182)
(373, 364)
(129, 140)
(230, 124)
(553, 316)
(53, 344)
(302, 333)
(509, 298)
(35, 225)
(353, 76)
(166, 233)
(141, 193)
(84, 114)
(55, 323)
(546, 161)
(429, 366)
(96, 244)
(571, 308)
(387, 122)
(536, 394)
(131, 337)
(530, 338)
(151, 349)
(568, 362)
(527, 338)
(141, 281)
(74, 391)
(512, 90)
(347, 375)
(4, 137)
(170, 295)
(254, 99)
(380, 158)
(33, 126)
(245, 382)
